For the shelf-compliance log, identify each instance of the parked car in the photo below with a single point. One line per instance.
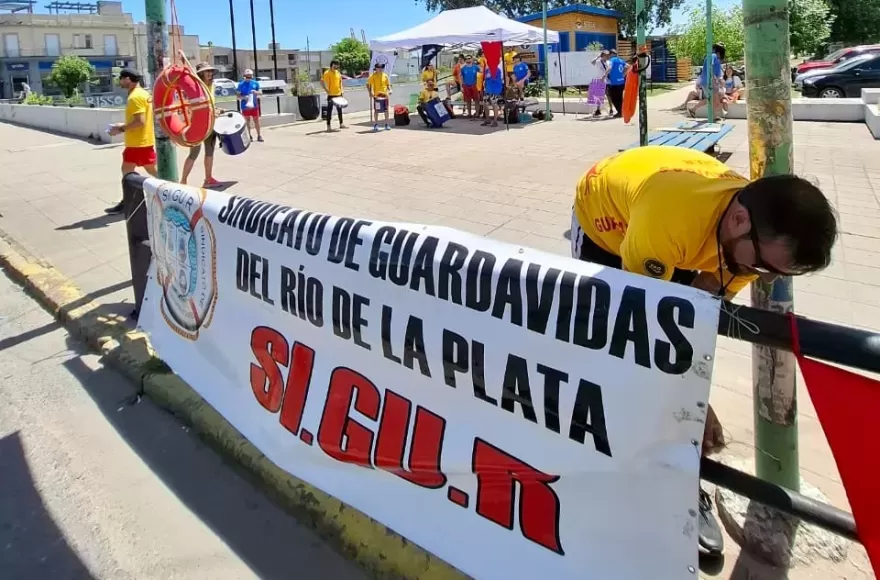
(224, 87)
(270, 87)
(835, 58)
(845, 65)
(846, 81)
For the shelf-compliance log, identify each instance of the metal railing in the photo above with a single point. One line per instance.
(824, 341)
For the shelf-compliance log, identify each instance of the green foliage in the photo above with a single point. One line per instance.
(689, 40)
(69, 72)
(352, 54)
(810, 22)
(855, 21)
(659, 11)
(35, 99)
(595, 47)
(302, 85)
(535, 88)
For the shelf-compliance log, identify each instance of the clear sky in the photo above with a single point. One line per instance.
(322, 21)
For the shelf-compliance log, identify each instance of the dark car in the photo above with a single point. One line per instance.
(834, 59)
(844, 81)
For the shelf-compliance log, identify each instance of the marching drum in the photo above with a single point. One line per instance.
(340, 102)
(231, 128)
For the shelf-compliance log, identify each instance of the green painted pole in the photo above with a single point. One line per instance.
(641, 25)
(768, 100)
(710, 90)
(157, 49)
(547, 114)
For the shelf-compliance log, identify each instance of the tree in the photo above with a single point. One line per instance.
(855, 21)
(69, 72)
(810, 23)
(689, 40)
(659, 11)
(353, 55)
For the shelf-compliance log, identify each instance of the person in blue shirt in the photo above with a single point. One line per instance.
(492, 93)
(469, 90)
(521, 74)
(712, 77)
(615, 77)
(246, 87)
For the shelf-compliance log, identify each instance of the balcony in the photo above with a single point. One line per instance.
(55, 53)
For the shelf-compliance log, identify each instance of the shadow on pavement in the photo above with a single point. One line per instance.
(94, 223)
(32, 544)
(270, 541)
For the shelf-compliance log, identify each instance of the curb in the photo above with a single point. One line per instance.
(377, 549)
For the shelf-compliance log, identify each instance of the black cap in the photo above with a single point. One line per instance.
(131, 74)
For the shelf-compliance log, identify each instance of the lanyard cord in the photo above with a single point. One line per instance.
(723, 291)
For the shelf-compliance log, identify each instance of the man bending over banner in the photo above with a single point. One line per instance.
(681, 215)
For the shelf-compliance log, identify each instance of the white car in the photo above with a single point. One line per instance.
(224, 87)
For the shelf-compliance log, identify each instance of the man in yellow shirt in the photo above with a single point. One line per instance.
(140, 136)
(427, 94)
(681, 215)
(206, 73)
(508, 61)
(429, 74)
(332, 83)
(379, 87)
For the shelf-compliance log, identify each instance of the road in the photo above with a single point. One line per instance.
(94, 487)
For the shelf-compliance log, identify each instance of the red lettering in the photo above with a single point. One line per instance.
(336, 425)
(426, 447)
(270, 349)
(297, 388)
(497, 475)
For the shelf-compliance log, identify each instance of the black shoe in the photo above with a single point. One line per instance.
(711, 542)
(618, 116)
(118, 208)
(597, 114)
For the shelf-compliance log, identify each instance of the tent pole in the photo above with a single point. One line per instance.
(546, 66)
(710, 90)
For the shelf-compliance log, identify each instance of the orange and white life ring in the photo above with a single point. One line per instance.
(182, 104)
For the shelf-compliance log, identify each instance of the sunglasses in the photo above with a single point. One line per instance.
(761, 267)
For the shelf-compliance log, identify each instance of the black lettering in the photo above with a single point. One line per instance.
(631, 325)
(301, 230)
(253, 218)
(227, 209)
(553, 379)
(588, 416)
(423, 266)
(478, 373)
(241, 270)
(242, 210)
(354, 240)
(667, 309)
(539, 301)
(515, 388)
(287, 226)
(378, 266)
(401, 256)
(508, 292)
(341, 313)
(358, 321)
(591, 316)
(315, 301)
(387, 350)
(455, 356)
(264, 279)
(288, 290)
(272, 226)
(478, 282)
(449, 275)
(316, 235)
(414, 346)
(339, 240)
(566, 304)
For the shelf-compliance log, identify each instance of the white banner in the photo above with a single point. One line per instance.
(564, 402)
(572, 69)
(386, 58)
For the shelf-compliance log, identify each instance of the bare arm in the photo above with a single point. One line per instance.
(139, 120)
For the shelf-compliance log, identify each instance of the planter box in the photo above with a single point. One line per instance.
(840, 110)
(75, 121)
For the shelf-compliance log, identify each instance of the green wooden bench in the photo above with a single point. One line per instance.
(697, 135)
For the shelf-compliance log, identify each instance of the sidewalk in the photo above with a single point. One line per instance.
(513, 186)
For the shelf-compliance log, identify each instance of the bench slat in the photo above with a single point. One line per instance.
(687, 139)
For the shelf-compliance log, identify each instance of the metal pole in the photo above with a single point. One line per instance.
(157, 45)
(235, 76)
(770, 151)
(309, 57)
(254, 40)
(641, 24)
(710, 90)
(275, 51)
(546, 66)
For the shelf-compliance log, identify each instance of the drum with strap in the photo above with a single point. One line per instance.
(231, 128)
(182, 105)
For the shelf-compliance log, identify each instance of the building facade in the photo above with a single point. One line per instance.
(221, 57)
(177, 38)
(578, 25)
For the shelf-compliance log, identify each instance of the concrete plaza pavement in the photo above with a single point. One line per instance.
(515, 186)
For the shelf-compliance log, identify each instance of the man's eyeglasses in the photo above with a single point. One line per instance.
(760, 267)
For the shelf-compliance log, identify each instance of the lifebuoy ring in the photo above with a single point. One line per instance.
(183, 106)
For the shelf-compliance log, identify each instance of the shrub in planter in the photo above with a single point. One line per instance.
(306, 99)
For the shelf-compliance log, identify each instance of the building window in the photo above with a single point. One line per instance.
(221, 60)
(291, 57)
(10, 46)
(53, 45)
(103, 82)
(82, 41)
(110, 48)
(50, 89)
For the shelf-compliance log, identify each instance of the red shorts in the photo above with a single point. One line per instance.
(250, 113)
(470, 93)
(139, 156)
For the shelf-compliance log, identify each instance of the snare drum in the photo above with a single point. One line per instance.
(340, 102)
(232, 130)
(380, 104)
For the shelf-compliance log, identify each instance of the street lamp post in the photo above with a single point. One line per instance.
(546, 66)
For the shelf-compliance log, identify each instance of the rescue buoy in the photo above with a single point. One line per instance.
(182, 104)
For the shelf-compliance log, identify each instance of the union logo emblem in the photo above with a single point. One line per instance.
(184, 248)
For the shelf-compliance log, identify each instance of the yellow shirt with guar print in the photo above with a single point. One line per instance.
(658, 208)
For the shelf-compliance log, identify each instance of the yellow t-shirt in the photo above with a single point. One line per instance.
(426, 95)
(333, 81)
(429, 75)
(140, 102)
(482, 61)
(658, 208)
(379, 84)
(508, 61)
(480, 80)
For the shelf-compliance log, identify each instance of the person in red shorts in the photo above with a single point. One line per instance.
(140, 136)
(247, 87)
(469, 90)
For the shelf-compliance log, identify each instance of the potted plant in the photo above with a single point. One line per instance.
(307, 100)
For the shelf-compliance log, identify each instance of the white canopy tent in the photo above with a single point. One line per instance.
(465, 26)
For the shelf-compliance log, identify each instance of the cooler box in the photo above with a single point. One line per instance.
(436, 112)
